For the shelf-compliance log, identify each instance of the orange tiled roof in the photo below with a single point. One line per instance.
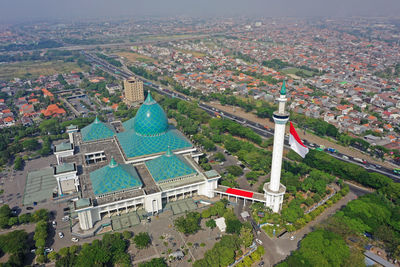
(53, 110)
(9, 119)
(47, 92)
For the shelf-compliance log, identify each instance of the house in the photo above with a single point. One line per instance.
(53, 110)
(26, 108)
(47, 93)
(9, 121)
(112, 88)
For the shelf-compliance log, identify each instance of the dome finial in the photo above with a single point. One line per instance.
(96, 120)
(149, 98)
(169, 152)
(283, 89)
(113, 163)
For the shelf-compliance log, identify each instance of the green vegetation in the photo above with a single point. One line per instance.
(156, 262)
(40, 239)
(16, 139)
(235, 170)
(110, 60)
(7, 219)
(32, 46)
(144, 73)
(33, 69)
(252, 258)
(18, 164)
(142, 240)
(345, 170)
(223, 253)
(373, 213)
(390, 72)
(14, 244)
(110, 251)
(319, 248)
(188, 224)
(211, 224)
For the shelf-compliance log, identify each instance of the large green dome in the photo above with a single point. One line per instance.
(150, 119)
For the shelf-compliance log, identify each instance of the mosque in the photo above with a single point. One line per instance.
(143, 163)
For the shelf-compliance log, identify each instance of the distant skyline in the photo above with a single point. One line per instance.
(25, 10)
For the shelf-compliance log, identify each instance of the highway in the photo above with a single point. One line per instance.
(267, 133)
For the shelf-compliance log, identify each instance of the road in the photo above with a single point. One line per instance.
(257, 127)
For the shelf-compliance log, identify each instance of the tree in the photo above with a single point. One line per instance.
(31, 144)
(18, 164)
(53, 256)
(233, 226)
(14, 242)
(219, 156)
(156, 262)
(234, 170)
(127, 235)
(206, 213)
(189, 224)
(142, 240)
(211, 224)
(246, 235)
(40, 215)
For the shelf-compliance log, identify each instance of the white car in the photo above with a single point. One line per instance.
(60, 234)
(48, 250)
(54, 223)
(259, 241)
(292, 237)
(65, 219)
(74, 239)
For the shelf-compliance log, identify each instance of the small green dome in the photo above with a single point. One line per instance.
(150, 119)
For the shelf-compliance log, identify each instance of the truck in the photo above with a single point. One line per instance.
(396, 171)
(332, 150)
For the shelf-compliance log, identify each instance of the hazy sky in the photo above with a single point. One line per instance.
(17, 10)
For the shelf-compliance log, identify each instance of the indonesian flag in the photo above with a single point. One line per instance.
(295, 142)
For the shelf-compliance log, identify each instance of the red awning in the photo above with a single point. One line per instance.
(239, 192)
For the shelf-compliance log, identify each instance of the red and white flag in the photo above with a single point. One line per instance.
(295, 142)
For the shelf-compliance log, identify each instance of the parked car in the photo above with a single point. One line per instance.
(54, 223)
(29, 208)
(48, 250)
(292, 237)
(259, 241)
(74, 239)
(60, 234)
(65, 219)
(66, 209)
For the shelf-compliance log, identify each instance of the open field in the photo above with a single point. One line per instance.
(294, 70)
(134, 57)
(32, 69)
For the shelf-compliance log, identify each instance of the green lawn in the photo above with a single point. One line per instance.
(33, 69)
(294, 70)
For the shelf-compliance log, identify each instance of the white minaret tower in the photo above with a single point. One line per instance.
(274, 190)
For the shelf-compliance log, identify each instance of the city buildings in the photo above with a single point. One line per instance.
(133, 89)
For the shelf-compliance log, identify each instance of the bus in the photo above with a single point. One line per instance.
(396, 171)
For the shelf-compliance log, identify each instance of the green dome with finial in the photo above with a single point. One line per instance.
(114, 178)
(283, 88)
(150, 120)
(97, 130)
